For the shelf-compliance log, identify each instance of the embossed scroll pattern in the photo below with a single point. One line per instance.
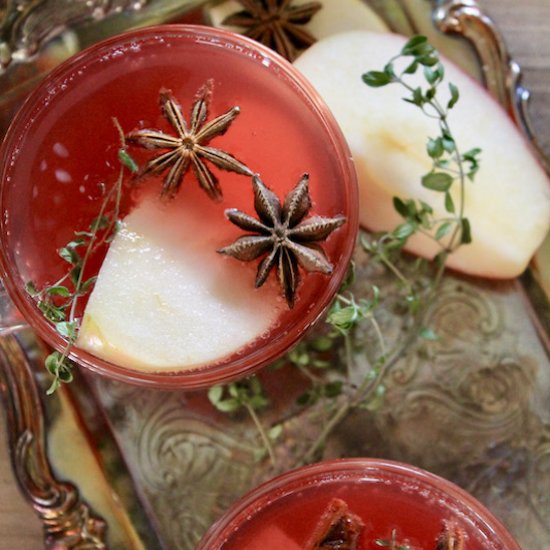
(189, 465)
(468, 406)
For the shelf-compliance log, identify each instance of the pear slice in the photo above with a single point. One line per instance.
(508, 204)
(165, 300)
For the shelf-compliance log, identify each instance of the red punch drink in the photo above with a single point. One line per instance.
(398, 506)
(61, 154)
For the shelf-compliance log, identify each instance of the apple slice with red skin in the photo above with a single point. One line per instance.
(508, 203)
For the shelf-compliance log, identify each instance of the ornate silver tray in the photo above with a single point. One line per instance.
(152, 469)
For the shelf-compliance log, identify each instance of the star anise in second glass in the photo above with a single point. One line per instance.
(276, 24)
(189, 147)
(282, 235)
(337, 529)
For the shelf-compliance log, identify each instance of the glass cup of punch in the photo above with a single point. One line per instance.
(178, 208)
(357, 504)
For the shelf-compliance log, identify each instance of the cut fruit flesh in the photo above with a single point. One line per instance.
(162, 299)
(508, 204)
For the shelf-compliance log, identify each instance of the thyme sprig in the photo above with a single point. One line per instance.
(248, 395)
(450, 168)
(354, 381)
(58, 301)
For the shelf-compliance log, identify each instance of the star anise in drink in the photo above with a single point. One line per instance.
(282, 235)
(189, 147)
(276, 23)
(452, 537)
(337, 529)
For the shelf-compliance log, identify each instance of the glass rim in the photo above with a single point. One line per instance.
(287, 483)
(216, 372)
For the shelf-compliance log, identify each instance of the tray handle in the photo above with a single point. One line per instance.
(502, 75)
(68, 522)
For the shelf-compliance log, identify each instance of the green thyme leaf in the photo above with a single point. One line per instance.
(389, 70)
(428, 60)
(51, 312)
(70, 255)
(437, 181)
(343, 319)
(430, 75)
(322, 343)
(215, 394)
(75, 274)
(443, 230)
(75, 243)
(472, 154)
(60, 368)
(67, 329)
(299, 355)
(412, 68)
(87, 285)
(65, 372)
(428, 334)
(404, 230)
(228, 405)
(31, 289)
(58, 291)
(417, 97)
(454, 96)
(376, 79)
(466, 236)
(417, 45)
(275, 432)
(257, 402)
(449, 203)
(333, 389)
(52, 362)
(448, 143)
(127, 160)
(54, 386)
(435, 148)
(400, 207)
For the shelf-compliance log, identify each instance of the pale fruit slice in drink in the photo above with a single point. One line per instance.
(165, 300)
(508, 204)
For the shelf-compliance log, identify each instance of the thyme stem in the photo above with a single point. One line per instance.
(263, 435)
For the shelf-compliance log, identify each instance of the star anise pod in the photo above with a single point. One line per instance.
(452, 537)
(337, 529)
(276, 23)
(189, 147)
(282, 235)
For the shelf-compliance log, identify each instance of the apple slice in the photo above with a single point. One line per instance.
(162, 299)
(508, 204)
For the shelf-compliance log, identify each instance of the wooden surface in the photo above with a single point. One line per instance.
(526, 27)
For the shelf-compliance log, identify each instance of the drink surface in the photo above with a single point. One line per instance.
(411, 510)
(67, 148)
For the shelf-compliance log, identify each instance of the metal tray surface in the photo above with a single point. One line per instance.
(153, 469)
